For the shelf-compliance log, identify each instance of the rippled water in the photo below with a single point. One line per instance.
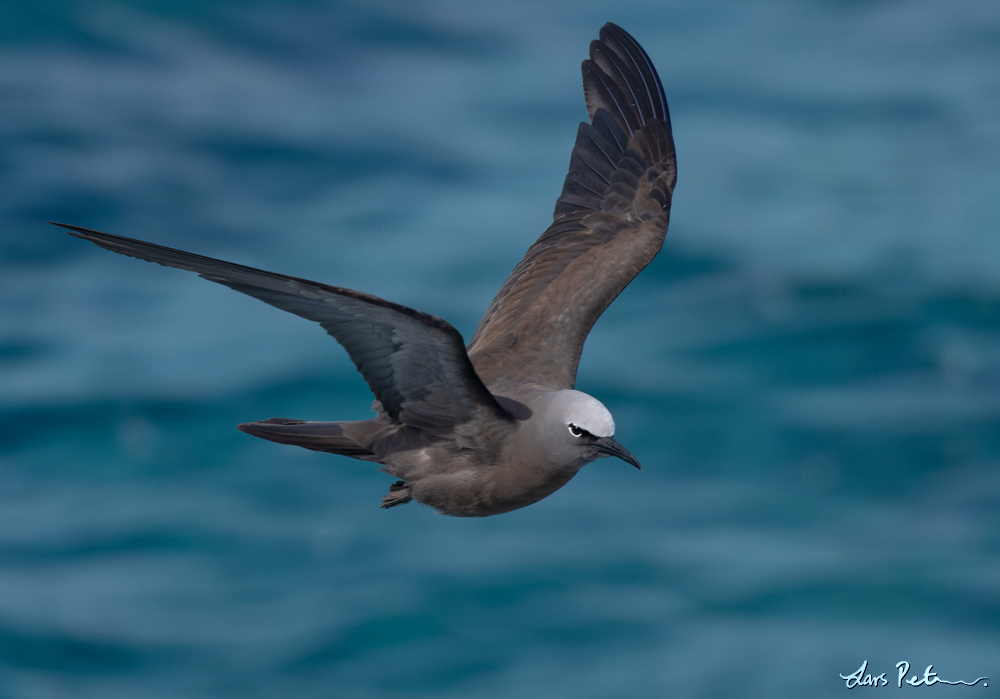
(809, 372)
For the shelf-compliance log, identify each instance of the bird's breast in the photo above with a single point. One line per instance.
(491, 492)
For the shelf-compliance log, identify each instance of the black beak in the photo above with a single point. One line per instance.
(610, 447)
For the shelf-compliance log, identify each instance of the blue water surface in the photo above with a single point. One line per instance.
(809, 371)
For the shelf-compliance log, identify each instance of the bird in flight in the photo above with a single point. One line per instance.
(492, 426)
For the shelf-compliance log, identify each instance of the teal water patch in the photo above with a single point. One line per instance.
(808, 372)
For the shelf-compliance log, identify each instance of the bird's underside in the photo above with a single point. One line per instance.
(488, 428)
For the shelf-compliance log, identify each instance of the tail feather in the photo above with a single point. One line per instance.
(319, 436)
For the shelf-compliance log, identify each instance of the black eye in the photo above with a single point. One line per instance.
(577, 431)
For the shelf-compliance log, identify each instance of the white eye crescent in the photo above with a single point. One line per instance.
(576, 431)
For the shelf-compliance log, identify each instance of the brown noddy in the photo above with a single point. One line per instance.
(490, 427)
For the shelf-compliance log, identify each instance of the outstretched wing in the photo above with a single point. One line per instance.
(414, 363)
(609, 223)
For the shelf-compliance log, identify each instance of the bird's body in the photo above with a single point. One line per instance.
(495, 426)
(492, 468)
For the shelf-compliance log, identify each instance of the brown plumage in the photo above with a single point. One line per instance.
(610, 222)
(496, 426)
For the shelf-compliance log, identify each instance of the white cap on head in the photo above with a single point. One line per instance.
(586, 412)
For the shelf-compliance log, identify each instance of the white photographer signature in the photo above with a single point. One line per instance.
(862, 678)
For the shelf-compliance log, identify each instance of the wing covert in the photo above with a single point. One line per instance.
(414, 363)
(609, 222)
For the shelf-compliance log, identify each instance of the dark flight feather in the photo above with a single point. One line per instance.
(414, 363)
(609, 222)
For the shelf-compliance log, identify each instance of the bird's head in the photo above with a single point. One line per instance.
(579, 429)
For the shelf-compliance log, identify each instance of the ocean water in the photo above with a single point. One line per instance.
(809, 371)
